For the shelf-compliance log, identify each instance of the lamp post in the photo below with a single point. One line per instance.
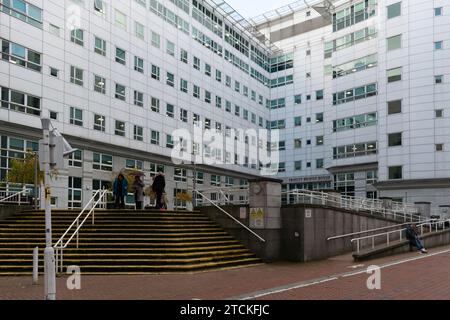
(49, 253)
(52, 150)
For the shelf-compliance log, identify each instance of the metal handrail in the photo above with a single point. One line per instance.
(373, 230)
(19, 194)
(387, 234)
(230, 216)
(354, 204)
(60, 245)
(224, 195)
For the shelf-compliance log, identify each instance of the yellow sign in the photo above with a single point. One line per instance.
(256, 218)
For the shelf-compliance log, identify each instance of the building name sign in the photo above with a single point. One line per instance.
(325, 177)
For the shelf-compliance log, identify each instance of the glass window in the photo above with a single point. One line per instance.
(395, 139)
(394, 42)
(395, 172)
(394, 10)
(394, 75)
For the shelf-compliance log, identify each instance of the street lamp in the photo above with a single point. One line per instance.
(52, 150)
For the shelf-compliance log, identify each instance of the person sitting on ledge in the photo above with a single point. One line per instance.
(413, 237)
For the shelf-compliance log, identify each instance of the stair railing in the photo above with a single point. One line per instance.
(97, 199)
(438, 225)
(230, 216)
(15, 198)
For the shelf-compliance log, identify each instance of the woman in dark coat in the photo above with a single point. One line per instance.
(158, 186)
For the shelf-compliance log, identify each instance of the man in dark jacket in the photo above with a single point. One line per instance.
(120, 190)
(158, 186)
(413, 237)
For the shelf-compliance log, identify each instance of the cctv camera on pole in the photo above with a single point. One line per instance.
(52, 150)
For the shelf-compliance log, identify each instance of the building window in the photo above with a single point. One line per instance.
(76, 116)
(208, 70)
(184, 56)
(134, 164)
(75, 192)
(170, 48)
(154, 137)
(139, 30)
(215, 180)
(99, 84)
(121, 56)
(355, 122)
(100, 46)
(139, 64)
(438, 12)
(354, 66)
(120, 128)
(394, 10)
(355, 94)
(218, 75)
(319, 95)
(99, 6)
(138, 98)
(439, 113)
(395, 139)
(76, 75)
(438, 79)
(170, 110)
(156, 40)
(439, 147)
(394, 107)
(438, 45)
(207, 96)
(102, 162)
(183, 85)
(345, 183)
(319, 117)
(298, 99)
(297, 143)
(196, 91)
(21, 56)
(155, 105)
(196, 63)
(77, 36)
(394, 75)
(394, 42)
(121, 20)
(298, 121)
(138, 133)
(170, 79)
(180, 175)
(53, 115)
(298, 165)
(99, 123)
(54, 72)
(120, 92)
(76, 159)
(169, 141)
(156, 72)
(319, 163)
(395, 172)
(319, 140)
(355, 150)
(183, 115)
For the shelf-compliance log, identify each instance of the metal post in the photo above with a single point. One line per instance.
(77, 232)
(35, 265)
(49, 254)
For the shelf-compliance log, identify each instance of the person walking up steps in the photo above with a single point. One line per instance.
(158, 186)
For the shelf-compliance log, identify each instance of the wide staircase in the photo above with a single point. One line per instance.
(124, 242)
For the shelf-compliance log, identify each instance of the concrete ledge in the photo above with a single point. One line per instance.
(429, 240)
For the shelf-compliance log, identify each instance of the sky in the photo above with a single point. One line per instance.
(253, 8)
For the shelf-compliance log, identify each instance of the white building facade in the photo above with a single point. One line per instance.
(359, 92)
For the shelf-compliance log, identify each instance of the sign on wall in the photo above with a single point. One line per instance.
(256, 218)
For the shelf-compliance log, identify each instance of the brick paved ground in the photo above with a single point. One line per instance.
(427, 278)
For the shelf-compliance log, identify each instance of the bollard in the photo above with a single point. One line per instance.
(35, 265)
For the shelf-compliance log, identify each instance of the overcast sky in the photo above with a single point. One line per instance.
(253, 8)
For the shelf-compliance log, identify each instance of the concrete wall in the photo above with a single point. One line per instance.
(7, 211)
(305, 239)
(300, 239)
(268, 251)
